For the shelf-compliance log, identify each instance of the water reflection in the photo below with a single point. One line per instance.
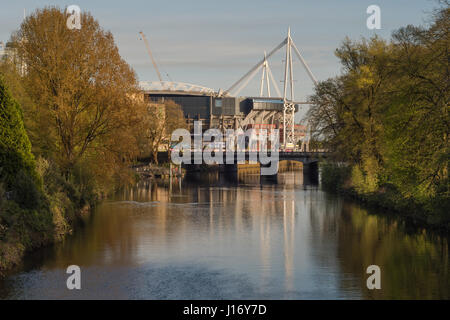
(212, 237)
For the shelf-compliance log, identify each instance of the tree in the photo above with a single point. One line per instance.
(174, 119)
(161, 121)
(15, 147)
(154, 130)
(349, 109)
(82, 90)
(419, 121)
(386, 115)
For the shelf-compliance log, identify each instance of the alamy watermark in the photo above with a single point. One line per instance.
(74, 280)
(74, 19)
(231, 147)
(374, 20)
(374, 280)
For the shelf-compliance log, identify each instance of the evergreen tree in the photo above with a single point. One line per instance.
(15, 147)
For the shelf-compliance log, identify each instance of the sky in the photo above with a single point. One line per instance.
(213, 43)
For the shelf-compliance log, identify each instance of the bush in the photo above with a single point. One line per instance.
(25, 193)
(29, 228)
(334, 176)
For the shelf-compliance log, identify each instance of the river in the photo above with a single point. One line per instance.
(208, 237)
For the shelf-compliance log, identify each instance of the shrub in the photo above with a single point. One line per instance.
(25, 192)
(334, 176)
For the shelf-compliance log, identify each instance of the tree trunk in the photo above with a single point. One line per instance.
(155, 156)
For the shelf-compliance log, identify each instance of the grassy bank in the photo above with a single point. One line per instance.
(431, 212)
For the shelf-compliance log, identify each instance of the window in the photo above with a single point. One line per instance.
(218, 103)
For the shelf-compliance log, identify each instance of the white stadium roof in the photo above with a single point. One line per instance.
(174, 86)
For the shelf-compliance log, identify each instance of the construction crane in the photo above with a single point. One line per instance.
(151, 55)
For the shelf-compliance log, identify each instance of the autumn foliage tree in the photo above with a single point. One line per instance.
(83, 92)
(155, 131)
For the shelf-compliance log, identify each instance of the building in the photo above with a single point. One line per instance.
(218, 111)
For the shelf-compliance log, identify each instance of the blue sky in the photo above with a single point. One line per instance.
(213, 43)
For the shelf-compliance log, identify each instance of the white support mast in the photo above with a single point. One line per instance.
(288, 103)
(265, 76)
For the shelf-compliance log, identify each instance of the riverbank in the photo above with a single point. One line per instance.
(152, 171)
(23, 230)
(32, 235)
(430, 213)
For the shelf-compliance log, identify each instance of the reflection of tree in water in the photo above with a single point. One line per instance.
(412, 266)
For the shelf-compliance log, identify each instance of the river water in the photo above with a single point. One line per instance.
(208, 237)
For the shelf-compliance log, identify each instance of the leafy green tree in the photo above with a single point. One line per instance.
(387, 114)
(418, 121)
(15, 147)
